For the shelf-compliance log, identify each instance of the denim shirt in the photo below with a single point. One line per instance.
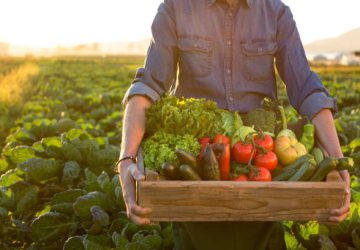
(207, 49)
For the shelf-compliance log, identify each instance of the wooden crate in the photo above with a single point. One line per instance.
(239, 201)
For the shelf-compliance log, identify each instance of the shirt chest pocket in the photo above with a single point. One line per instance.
(257, 60)
(194, 56)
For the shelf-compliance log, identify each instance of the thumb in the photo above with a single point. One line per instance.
(136, 174)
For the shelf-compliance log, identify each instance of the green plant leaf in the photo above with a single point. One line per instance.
(20, 154)
(26, 197)
(51, 227)
(83, 204)
(74, 243)
(10, 177)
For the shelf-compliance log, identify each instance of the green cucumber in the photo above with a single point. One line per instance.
(285, 175)
(346, 163)
(301, 172)
(298, 162)
(291, 169)
(188, 173)
(309, 172)
(325, 167)
(277, 171)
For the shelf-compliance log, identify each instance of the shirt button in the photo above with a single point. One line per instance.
(228, 71)
(228, 42)
(195, 45)
(231, 98)
(230, 14)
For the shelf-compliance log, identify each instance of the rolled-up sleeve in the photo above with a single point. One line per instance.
(305, 90)
(159, 72)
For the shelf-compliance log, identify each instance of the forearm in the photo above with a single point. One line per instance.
(326, 133)
(133, 125)
(327, 137)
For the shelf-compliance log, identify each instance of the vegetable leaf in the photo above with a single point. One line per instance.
(51, 226)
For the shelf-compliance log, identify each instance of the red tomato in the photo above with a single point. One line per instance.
(242, 177)
(219, 138)
(267, 160)
(242, 152)
(260, 174)
(265, 141)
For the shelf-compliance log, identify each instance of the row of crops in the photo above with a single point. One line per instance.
(16, 89)
(58, 188)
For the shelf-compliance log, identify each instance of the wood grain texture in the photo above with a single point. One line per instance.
(240, 201)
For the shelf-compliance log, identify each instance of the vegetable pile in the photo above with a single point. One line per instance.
(229, 150)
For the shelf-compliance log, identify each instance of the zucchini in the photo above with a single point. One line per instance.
(346, 163)
(291, 169)
(209, 166)
(285, 175)
(325, 167)
(170, 171)
(297, 163)
(309, 172)
(277, 171)
(318, 154)
(188, 173)
(301, 172)
(187, 158)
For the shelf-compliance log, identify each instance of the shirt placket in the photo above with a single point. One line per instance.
(228, 67)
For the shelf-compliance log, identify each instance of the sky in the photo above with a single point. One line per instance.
(47, 23)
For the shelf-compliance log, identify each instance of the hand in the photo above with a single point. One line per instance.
(340, 214)
(129, 173)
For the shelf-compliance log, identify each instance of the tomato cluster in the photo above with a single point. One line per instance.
(258, 154)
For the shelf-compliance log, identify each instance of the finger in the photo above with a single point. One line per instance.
(139, 220)
(136, 174)
(339, 218)
(340, 211)
(139, 211)
(343, 209)
(345, 176)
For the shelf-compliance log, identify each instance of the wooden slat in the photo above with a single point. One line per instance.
(240, 201)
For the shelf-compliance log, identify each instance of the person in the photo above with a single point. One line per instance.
(225, 51)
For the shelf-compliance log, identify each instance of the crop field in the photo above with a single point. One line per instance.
(60, 135)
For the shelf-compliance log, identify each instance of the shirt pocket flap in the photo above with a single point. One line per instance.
(194, 44)
(257, 49)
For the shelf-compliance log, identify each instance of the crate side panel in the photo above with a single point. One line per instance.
(229, 201)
